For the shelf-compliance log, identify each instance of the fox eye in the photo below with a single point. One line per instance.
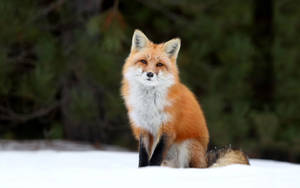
(143, 61)
(159, 64)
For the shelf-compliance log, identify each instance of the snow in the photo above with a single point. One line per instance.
(101, 169)
(58, 145)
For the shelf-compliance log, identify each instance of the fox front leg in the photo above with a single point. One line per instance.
(159, 152)
(143, 155)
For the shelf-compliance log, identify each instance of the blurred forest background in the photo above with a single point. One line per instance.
(61, 61)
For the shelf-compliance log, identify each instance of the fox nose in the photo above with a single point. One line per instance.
(150, 74)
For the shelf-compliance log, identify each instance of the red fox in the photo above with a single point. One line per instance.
(164, 114)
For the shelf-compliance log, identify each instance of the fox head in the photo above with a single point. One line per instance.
(152, 64)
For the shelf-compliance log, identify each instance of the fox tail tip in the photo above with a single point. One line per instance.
(226, 156)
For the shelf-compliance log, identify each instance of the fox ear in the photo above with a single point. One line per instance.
(172, 47)
(139, 40)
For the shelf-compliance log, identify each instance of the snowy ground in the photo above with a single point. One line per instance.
(101, 169)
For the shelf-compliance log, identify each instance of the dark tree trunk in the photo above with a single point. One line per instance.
(263, 73)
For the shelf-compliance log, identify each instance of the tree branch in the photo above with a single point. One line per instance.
(170, 15)
(48, 9)
(15, 117)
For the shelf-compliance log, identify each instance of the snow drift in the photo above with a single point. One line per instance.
(119, 169)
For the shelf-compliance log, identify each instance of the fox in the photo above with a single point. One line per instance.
(165, 116)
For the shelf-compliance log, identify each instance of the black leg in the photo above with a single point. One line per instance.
(157, 156)
(143, 155)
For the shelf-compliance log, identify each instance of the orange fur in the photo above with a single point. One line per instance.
(185, 127)
(187, 120)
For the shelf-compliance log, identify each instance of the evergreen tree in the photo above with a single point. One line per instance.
(61, 61)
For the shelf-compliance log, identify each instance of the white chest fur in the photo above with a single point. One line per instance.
(148, 104)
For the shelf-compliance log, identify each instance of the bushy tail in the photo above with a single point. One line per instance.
(226, 156)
